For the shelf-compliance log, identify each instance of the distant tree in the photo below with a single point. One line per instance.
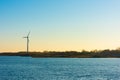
(84, 51)
(94, 51)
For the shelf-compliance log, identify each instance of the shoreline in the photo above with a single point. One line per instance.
(68, 54)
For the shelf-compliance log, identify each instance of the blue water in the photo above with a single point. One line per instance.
(27, 68)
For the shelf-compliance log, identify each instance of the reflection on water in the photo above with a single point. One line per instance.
(27, 68)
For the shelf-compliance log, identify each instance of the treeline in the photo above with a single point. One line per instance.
(83, 54)
(70, 54)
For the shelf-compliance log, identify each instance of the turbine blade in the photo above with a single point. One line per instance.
(24, 37)
(28, 34)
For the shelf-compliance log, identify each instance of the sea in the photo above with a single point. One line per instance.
(28, 68)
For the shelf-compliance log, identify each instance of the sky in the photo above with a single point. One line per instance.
(59, 25)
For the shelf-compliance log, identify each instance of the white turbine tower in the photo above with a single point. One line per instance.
(27, 37)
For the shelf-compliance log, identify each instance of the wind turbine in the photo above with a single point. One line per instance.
(27, 37)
